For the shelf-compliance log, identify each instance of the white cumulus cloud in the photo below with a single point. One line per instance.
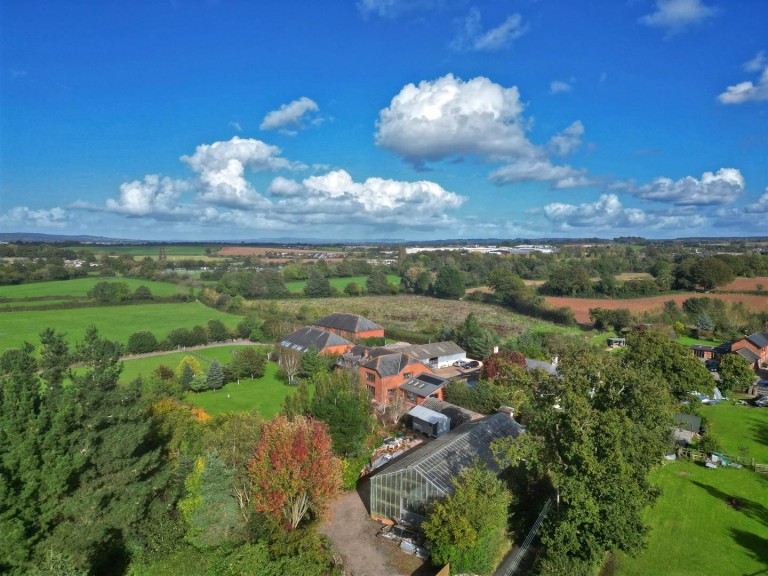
(607, 212)
(23, 217)
(749, 91)
(721, 187)
(567, 141)
(221, 166)
(674, 15)
(760, 206)
(335, 196)
(471, 35)
(155, 194)
(289, 116)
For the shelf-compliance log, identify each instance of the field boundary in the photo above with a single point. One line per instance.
(698, 456)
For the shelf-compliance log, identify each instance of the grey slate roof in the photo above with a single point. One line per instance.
(347, 322)
(759, 339)
(442, 459)
(749, 355)
(457, 414)
(424, 384)
(303, 338)
(435, 350)
(392, 363)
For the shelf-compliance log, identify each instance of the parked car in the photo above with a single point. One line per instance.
(472, 364)
(761, 401)
(712, 365)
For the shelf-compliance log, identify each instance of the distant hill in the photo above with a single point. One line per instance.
(34, 237)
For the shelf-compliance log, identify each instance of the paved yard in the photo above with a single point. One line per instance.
(353, 535)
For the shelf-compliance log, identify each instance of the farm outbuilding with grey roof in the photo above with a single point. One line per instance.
(436, 355)
(324, 342)
(402, 490)
(351, 326)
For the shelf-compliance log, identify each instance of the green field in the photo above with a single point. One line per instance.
(264, 395)
(710, 522)
(80, 287)
(113, 322)
(140, 251)
(340, 283)
(696, 532)
(742, 430)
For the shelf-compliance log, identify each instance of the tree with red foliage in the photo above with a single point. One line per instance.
(293, 469)
(495, 366)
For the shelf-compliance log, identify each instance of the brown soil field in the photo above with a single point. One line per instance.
(746, 284)
(581, 306)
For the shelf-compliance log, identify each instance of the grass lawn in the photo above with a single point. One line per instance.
(113, 322)
(742, 430)
(688, 341)
(340, 283)
(264, 395)
(81, 286)
(694, 529)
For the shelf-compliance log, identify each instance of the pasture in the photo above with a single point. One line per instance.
(113, 322)
(79, 287)
(710, 522)
(196, 251)
(340, 283)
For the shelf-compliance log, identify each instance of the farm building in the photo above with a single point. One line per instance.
(753, 348)
(383, 375)
(457, 414)
(402, 489)
(423, 386)
(351, 326)
(429, 422)
(437, 355)
(324, 342)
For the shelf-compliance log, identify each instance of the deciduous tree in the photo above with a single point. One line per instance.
(293, 470)
(735, 374)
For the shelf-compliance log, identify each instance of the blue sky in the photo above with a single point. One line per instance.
(384, 119)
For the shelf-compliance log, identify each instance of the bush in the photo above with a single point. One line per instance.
(142, 342)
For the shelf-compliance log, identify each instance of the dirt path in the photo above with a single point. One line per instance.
(353, 535)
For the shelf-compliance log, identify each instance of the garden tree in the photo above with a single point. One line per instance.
(247, 362)
(297, 404)
(141, 342)
(343, 404)
(210, 511)
(484, 397)
(671, 362)
(353, 289)
(198, 383)
(181, 337)
(216, 330)
(497, 366)
(377, 283)
(250, 328)
(192, 363)
(289, 361)
(187, 377)
(449, 283)
(468, 529)
(83, 467)
(479, 342)
(232, 436)
(711, 272)
(595, 432)
(293, 470)
(317, 285)
(214, 378)
(312, 362)
(735, 374)
(704, 323)
(605, 318)
(568, 280)
(199, 336)
(142, 293)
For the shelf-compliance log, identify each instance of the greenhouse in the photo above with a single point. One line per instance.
(402, 490)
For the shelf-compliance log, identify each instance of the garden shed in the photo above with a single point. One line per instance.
(402, 489)
(429, 422)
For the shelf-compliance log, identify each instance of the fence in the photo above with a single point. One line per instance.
(745, 461)
(521, 552)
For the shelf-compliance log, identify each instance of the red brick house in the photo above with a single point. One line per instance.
(385, 373)
(754, 348)
(350, 326)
